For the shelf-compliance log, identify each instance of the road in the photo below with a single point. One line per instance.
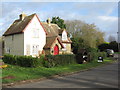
(100, 77)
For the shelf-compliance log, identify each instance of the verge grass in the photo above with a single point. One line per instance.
(22, 73)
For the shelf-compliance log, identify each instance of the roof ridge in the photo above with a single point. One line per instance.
(13, 29)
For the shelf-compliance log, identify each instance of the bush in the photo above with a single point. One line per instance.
(24, 61)
(47, 61)
(55, 60)
(10, 59)
(92, 54)
(79, 58)
(95, 55)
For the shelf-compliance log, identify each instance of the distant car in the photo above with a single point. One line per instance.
(110, 52)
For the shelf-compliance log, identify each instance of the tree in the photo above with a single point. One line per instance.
(114, 45)
(103, 46)
(89, 33)
(59, 22)
(77, 43)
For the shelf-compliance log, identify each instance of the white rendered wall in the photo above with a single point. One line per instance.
(31, 39)
(64, 36)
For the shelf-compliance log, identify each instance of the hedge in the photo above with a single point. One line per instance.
(10, 59)
(95, 55)
(47, 61)
(25, 61)
(92, 54)
(55, 60)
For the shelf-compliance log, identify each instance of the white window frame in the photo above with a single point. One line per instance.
(7, 50)
(27, 49)
(35, 49)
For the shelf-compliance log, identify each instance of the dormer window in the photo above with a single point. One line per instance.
(64, 36)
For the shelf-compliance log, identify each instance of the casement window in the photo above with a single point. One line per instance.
(27, 49)
(7, 50)
(35, 49)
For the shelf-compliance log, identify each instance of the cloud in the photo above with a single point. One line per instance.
(108, 18)
(102, 14)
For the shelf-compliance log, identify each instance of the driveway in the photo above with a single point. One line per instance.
(100, 77)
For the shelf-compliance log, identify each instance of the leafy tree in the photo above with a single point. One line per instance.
(112, 45)
(59, 22)
(89, 33)
(103, 46)
(77, 43)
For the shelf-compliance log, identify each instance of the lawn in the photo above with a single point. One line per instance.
(117, 52)
(17, 73)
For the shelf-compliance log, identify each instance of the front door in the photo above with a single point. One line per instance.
(56, 50)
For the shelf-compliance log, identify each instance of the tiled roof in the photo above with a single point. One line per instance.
(60, 31)
(51, 40)
(18, 26)
(52, 29)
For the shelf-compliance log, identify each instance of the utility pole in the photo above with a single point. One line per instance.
(118, 42)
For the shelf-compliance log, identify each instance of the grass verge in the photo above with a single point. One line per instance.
(18, 73)
(117, 52)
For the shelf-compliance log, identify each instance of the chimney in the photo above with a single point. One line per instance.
(22, 16)
(48, 21)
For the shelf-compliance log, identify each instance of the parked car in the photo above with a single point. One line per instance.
(110, 52)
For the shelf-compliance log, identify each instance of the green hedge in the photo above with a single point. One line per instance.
(55, 60)
(47, 61)
(95, 55)
(10, 59)
(25, 61)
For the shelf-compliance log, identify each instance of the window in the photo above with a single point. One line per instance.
(35, 49)
(7, 50)
(27, 49)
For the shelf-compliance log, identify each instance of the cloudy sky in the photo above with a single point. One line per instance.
(102, 13)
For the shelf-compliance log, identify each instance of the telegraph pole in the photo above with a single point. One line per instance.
(118, 42)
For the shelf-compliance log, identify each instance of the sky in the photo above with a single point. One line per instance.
(104, 14)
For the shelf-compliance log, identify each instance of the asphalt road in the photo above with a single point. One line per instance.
(100, 77)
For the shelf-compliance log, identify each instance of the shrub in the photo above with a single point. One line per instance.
(10, 59)
(92, 54)
(55, 60)
(24, 61)
(79, 58)
(95, 55)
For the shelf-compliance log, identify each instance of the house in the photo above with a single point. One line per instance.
(29, 36)
(54, 32)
